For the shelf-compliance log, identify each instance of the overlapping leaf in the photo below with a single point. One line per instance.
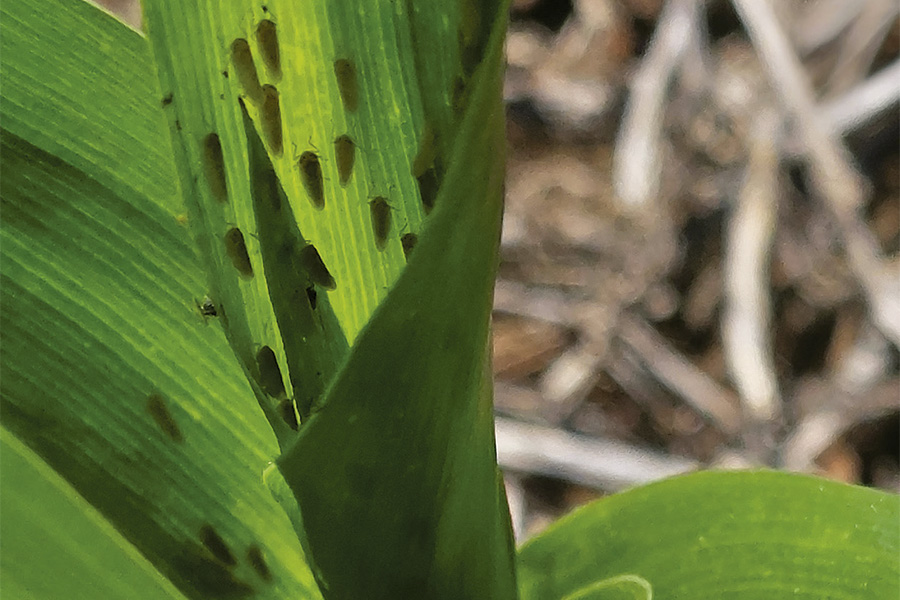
(725, 535)
(421, 410)
(55, 545)
(411, 502)
(101, 282)
(357, 143)
(110, 374)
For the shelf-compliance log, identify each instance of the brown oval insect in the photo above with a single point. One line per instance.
(288, 414)
(345, 152)
(424, 168)
(257, 560)
(157, 408)
(380, 212)
(217, 546)
(428, 188)
(408, 241)
(269, 373)
(242, 59)
(214, 167)
(311, 174)
(312, 263)
(267, 38)
(270, 116)
(236, 249)
(348, 87)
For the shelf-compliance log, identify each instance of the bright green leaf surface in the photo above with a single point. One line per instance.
(71, 72)
(110, 374)
(342, 73)
(718, 535)
(396, 476)
(55, 545)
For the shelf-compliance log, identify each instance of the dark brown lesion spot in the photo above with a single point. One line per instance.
(167, 99)
(158, 410)
(311, 295)
(311, 175)
(236, 249)
(213, 542)
(345, 72)
(257, 560)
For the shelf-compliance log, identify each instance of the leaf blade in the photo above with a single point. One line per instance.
(407, 427)
(725, 534)
(110, 372)
(60, 546)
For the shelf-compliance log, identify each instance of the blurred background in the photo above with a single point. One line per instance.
(699, 264)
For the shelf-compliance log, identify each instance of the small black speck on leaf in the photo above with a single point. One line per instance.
(208, 307)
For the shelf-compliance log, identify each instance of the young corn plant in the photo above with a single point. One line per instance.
(246, 290)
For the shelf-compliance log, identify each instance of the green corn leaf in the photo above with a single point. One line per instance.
(391, 83)
(56, 545)
(134, 365)
(725, 535)
(395, 476)
(355, 128)
(110, 373)
(101, 281)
